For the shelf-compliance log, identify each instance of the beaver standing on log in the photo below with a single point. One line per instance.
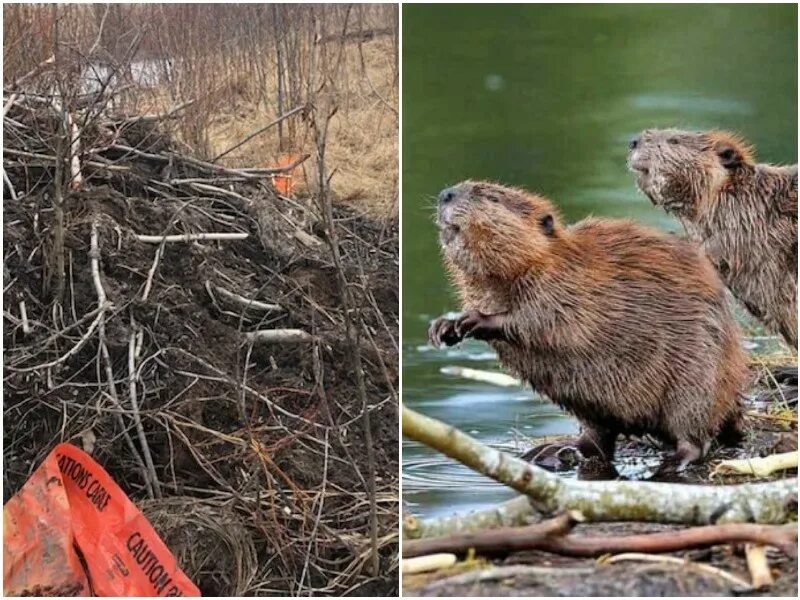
(623, 326)
(744, 214)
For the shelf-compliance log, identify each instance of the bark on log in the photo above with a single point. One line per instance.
(550, 536)
(514, 512)
(494, 541)
(783, 537)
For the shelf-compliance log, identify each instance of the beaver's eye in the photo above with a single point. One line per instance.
(672, 140)
(494, 199)
(546, 223)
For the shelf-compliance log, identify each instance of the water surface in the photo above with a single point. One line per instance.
(547, 97)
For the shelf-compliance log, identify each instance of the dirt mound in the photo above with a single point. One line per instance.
(247, 450)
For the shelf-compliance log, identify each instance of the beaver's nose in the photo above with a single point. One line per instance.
(634, 143)
(447, 195)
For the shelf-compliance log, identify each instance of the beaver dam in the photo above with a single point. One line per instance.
(186, 324)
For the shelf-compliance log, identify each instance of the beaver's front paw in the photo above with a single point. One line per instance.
(443, 331)
(470, 323)
(480, 326)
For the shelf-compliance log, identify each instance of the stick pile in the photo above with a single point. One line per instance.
(186, 319)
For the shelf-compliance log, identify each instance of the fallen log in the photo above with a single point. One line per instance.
(516, 512)
(770, 502)
(494, 541)
(504, 573)
(551, 536)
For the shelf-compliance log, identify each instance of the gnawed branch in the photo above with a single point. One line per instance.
(760, 466)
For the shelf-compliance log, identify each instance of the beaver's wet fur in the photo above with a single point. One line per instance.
(743, 213)
(624, 326)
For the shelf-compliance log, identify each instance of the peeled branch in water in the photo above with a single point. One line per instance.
(492, 377)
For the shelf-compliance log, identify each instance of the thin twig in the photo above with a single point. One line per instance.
(11, 189)
(313, 537)
(171, 113)
(190, 237)
(259, 131)
(241, 300)
(23, 313)
(151, 273)
(137, 417)
(279, 336)
(102, 300)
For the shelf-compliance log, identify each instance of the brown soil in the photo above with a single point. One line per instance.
(554, 575)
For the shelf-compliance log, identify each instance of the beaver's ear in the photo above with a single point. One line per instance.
(728, 154)
(547, 224)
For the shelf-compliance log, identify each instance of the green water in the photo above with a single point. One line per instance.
(547, 97)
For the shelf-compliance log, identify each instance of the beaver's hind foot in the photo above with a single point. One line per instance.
(593, 447)
(686, 453)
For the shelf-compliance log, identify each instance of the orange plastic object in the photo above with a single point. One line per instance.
(38, 554)
(70, 501)
(284, 182)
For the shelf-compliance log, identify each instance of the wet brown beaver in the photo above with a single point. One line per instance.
(623, 326)
(744, 214)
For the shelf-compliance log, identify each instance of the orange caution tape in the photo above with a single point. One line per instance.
(284, 182)
(70, 501)
(38, 554)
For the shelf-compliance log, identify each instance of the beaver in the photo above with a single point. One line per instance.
(623, 326)
(744, 214)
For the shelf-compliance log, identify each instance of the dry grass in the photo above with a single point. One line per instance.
(363, 138)
(227, 58)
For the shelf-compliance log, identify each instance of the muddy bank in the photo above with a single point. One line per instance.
(545, 574)
(771, 427)
(249, 457)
